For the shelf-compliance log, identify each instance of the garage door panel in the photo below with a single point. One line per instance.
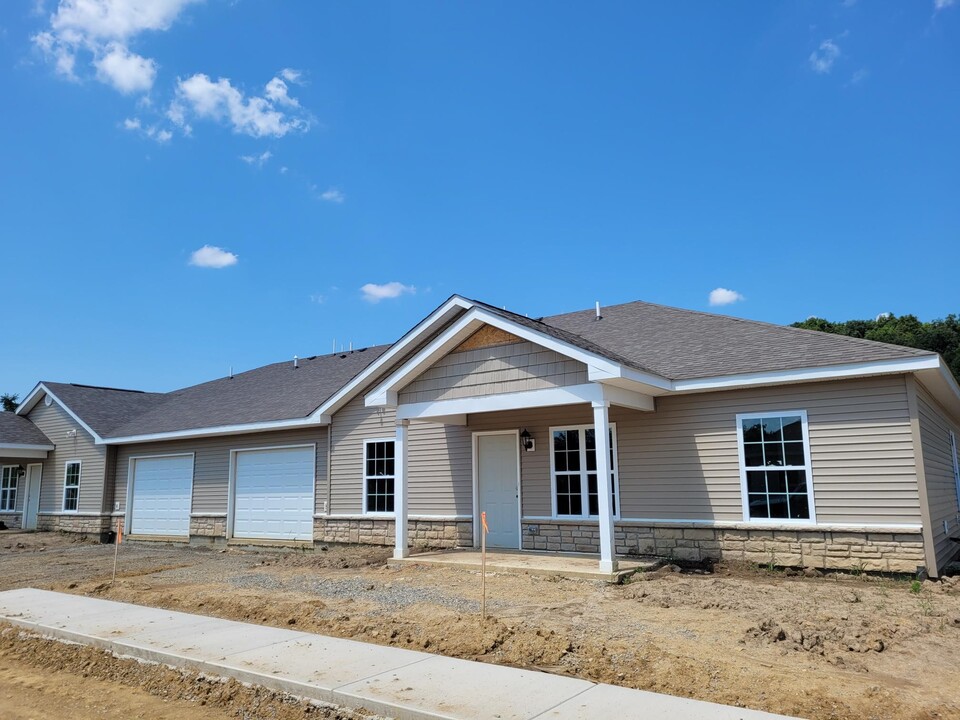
(162, 489)
(273, 495)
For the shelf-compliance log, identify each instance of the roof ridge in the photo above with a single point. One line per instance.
(99, 387)
(762, 323)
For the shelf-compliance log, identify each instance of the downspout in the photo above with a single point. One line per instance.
(929, 549)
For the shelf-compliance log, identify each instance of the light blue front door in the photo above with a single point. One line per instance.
(498, 487)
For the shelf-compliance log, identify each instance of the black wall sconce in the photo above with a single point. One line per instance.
(20, 472)
(527, 442)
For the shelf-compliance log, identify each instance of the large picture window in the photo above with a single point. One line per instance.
(378, 469)
(573, 466)
(8, 487)
(71, 486)
(775, 466)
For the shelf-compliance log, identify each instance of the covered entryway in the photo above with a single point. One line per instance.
(31, 498)
(160, 495)
(498, 486)
(273, 496)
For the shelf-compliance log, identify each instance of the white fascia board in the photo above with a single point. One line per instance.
(627, 398)
(571, 395)
(346, 393)
(221, 430)
(30, 400)
(599, 367)
(830, 372)
(34, 397)
(16, 450)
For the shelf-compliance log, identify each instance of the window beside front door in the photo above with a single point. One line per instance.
(775, 466)
(573, 469)
(71, 486)
(378, 476)
(8, 487)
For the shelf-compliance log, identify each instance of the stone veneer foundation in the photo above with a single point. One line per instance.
(208, 526)
(870, 550)
(380, 531)
(11, 520)
(84, 523)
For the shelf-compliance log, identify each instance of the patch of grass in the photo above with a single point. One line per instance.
(915, 587)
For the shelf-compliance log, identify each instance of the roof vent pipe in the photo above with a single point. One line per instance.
(296, 362)
(231, 372)
(599, 316)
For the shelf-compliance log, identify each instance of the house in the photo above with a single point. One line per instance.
(631, 429)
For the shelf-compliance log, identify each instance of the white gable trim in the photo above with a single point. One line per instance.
(34, 397)
(348, 391)
(219, 430)
(599, 368)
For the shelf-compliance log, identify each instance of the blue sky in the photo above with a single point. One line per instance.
(803, 156)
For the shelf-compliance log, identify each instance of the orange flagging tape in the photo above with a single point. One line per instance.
(483, 519)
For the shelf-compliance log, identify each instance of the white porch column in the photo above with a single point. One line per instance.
(601, 425)
(400, 494)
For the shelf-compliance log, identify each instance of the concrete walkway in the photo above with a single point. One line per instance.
(390, 681)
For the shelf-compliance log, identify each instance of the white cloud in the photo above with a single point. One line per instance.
(283, 170)
(942, 4)
(201, 97)
(822, 59)
(277, 92)
(258, 160)
(722, 296)
(211, 256)
(153, 132)
(126, 71)
(318, 299)
(291, 75)
(103, 30)
(375, 293)
(333, 195)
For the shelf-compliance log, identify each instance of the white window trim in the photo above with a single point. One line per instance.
(364, 476)
(584, 486)
(14, 469)
(807, 468)
(63, 503)
(956, 466)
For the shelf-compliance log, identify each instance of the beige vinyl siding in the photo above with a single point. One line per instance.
(493, 370)
(211, 465)
(935, 428)
(55, 423)
(21, 483)
(681, 462)
(440, 474)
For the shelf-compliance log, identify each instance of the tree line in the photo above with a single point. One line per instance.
(942, 336)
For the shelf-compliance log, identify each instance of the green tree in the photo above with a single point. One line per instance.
(941, 336)
(10, 402)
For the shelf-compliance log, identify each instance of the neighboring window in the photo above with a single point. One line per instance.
(574, 469)
(71, 486)
(378, 476)
(8, 487)
(775, 466)
(956, 464)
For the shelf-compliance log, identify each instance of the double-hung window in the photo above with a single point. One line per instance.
(378, 476)
(8, 487)
(573, 466)
(71, 486)
(775, 466)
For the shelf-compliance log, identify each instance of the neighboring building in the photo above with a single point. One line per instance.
(638, 429)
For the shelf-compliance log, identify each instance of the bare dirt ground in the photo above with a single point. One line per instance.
(841, 646)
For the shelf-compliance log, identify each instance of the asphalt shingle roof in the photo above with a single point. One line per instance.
(104, 408)
(273, 392)
(686, 344)
(17, 430)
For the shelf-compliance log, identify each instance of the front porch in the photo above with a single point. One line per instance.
(530, 563)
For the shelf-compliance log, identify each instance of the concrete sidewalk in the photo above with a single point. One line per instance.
(390, 681)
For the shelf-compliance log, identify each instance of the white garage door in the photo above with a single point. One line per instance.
(273, 499)
(161, 495)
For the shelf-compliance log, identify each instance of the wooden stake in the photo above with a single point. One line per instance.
(116, 550)
(483, 567)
